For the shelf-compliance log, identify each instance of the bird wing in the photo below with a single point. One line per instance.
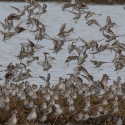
(93, 61)
(114, 43)
(108, 20)
(71, 12)
(108, 30)
(41, 63)
(96, 23)
(39, 6)
(91, 77)
(70, 58)
(22, 49)
(85, 77)
(84, 70)
(22, 65)
(123, 44)
(78, 50)
(44, 5)
(80, 80)
(70, 48)
(3, 25)
(48, 77)
(18, 10)
(24, 44)
(31, 43)
(82, 40)
(54, 41)
(46, 36)
(9, 65)
(33, 20)
(77, 16)
(37, 46)
(63, 27)
(104, 62)
(19, 23)
(70, 30)
(45, 65)
(29, 2)
(43, 78)
(2, 32)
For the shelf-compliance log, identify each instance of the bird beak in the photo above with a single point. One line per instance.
(100, 29)
(109, 78)
(62, 79)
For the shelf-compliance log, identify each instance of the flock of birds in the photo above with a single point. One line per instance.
(71, 101)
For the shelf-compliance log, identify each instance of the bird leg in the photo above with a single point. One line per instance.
(39, 16)
(98, 69)
(83, 64)
(75, 20)
(89, 50)
(34, 34)
(68, 64)
(73, 53)
(118, 71)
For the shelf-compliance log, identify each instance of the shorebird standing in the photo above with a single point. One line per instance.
(13, 119)
(61, 84)
(32, 115)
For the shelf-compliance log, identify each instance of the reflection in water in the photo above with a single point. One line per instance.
(53, 19)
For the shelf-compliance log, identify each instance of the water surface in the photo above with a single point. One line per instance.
(53, 19)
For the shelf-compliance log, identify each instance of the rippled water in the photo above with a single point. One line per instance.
(53, 19)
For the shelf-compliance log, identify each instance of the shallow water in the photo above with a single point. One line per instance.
(53, 19)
